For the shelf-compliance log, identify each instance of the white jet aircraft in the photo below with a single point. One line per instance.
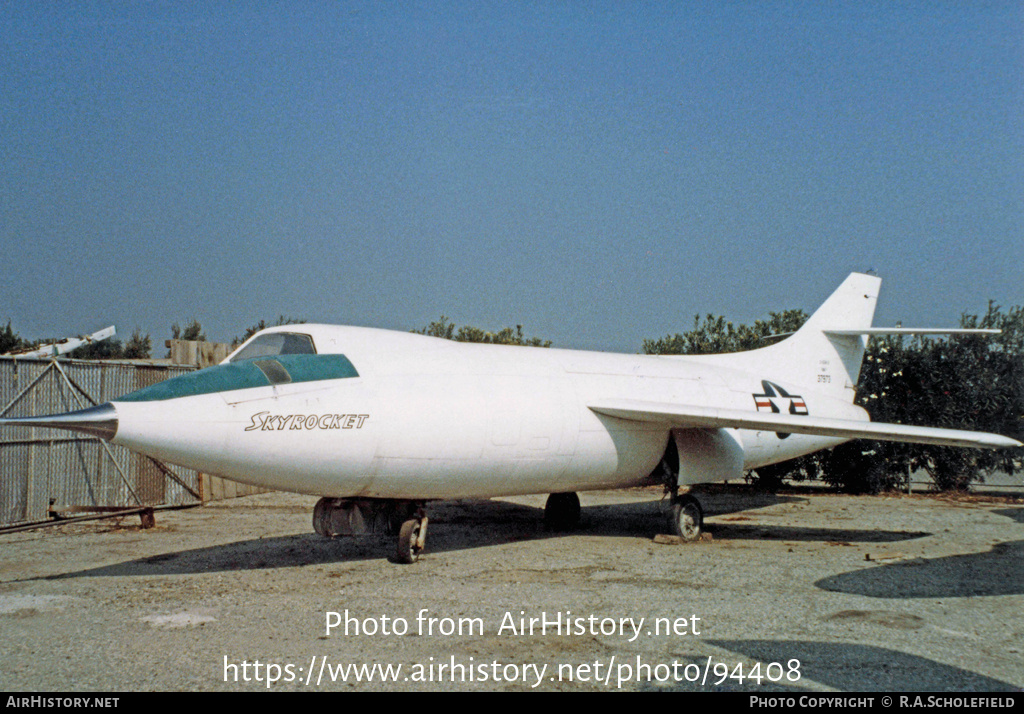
(378, 423)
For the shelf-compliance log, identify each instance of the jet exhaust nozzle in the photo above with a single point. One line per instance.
(100, 421)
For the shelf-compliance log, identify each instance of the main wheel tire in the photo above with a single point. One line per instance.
(562, 512)
(408, 542)
(687, 518)
(322, 517)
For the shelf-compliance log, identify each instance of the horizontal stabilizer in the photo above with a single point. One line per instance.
(912, 331)
(686, 416)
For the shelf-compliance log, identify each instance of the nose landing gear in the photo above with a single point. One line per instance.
(334, 517)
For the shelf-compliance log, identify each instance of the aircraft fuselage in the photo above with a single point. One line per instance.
(429, 418)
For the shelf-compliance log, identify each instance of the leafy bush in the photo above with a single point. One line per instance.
(963, 382)
(467, 333)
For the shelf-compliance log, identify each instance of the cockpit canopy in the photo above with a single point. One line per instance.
(273, 344)
(271, 359)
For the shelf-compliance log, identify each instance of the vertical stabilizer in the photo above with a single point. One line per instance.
(814, 355)
(850, 307)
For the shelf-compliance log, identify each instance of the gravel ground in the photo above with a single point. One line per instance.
(800, 591)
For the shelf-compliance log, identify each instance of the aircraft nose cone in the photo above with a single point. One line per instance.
(100, 421)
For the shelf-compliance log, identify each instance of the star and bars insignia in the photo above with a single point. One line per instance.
(774, 399)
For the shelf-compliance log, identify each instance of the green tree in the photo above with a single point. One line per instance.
(963, 382)
(139, 346)
(10, 341)
(192, 332)
(445, 329)
(104, 349)
(439, 328)
(715, 335)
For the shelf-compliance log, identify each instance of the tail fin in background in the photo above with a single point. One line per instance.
(826, 352)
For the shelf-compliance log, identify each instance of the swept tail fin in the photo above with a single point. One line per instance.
(827, 351)
(818, 354)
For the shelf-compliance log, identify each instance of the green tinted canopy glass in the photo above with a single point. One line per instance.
(248, 374)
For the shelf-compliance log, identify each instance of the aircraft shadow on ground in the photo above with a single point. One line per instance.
(842, 666)
(732, 531)
(993, 572)
(459, 525)
(1016, 514)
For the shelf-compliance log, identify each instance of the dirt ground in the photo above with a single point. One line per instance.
(800, 591)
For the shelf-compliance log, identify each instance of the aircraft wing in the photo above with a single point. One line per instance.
(687, 416)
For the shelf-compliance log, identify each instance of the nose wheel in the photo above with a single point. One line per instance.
(334, 517)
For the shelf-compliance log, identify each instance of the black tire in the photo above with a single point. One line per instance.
(687, 520)
(562, 512)
(322, 517)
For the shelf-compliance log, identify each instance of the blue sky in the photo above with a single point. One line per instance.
(598, 172)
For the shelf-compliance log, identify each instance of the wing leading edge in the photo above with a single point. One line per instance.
(688, 416)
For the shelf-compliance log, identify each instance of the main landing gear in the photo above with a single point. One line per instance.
(562, 512)
(686, 518)
(412, 537)
(343, 516)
